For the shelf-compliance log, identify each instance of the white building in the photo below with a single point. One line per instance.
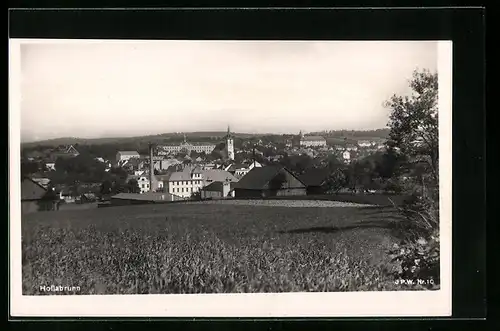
(346, 155)
(241, 170)
(192, 179)
(365, 143)
(185, 183)
(311, 141)
(143, 181)
(50, 166)
(126, 155)
(186, 147)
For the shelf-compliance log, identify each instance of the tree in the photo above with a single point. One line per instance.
(106, 187)
(28, 167)
(414, 121)
(414, 136)
(336, 181)
(133, 186)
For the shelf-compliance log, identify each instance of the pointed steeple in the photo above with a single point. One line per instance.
(184, 138)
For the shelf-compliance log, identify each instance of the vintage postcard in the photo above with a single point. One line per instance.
(230, 178)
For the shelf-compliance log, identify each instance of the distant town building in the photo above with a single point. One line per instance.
(311, 141)
(64, 152)
(143, 181)
(186, 147)
(346, 155)
(50, 166)
(239, 170)
(365, 143)
(126, 155)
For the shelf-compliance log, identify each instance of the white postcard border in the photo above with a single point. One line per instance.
(345, 304)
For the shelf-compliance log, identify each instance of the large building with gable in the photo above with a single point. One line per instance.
(188, 147)
(311, 141)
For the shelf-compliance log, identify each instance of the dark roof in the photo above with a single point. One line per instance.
(258, 177)
(217, 175)
(131, 153)
(214, 187)
(315, 177)
(31, 190)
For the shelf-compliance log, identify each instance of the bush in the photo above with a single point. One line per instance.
(418, 252)
(418, 261)
(421, 211)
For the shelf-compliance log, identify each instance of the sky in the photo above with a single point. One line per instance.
(115, 88)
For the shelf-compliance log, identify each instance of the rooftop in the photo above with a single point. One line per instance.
(315, 177)
(128, 152)
(258, 177)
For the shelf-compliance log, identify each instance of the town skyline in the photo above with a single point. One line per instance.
(94, 90)
(189, 134)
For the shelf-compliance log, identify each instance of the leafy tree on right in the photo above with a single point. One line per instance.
(412, 149)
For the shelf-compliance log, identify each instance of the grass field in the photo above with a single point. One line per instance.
(208, 248)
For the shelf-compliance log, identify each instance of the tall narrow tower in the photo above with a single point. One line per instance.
(152, 179)
(229, 144)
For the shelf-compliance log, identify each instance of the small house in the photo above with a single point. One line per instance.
(35, 197)
(217, 190)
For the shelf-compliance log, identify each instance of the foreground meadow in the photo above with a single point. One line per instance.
(211, 248)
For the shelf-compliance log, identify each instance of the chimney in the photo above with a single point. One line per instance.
(253, 155)
(151, 169)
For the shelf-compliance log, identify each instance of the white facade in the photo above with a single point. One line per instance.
(346, 155)
(51, 166)
(143, 182)
(184, 186)
(186, 148)
(365, 143)
(312, 142)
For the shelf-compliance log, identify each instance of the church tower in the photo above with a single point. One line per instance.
(229, 144)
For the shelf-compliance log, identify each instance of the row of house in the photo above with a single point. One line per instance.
(259, 182)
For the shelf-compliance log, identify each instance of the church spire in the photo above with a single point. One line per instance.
(184, 138)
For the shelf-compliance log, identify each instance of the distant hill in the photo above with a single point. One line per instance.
(332, 136)
(159, 138)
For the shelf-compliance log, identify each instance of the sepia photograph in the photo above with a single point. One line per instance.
(183, 172)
